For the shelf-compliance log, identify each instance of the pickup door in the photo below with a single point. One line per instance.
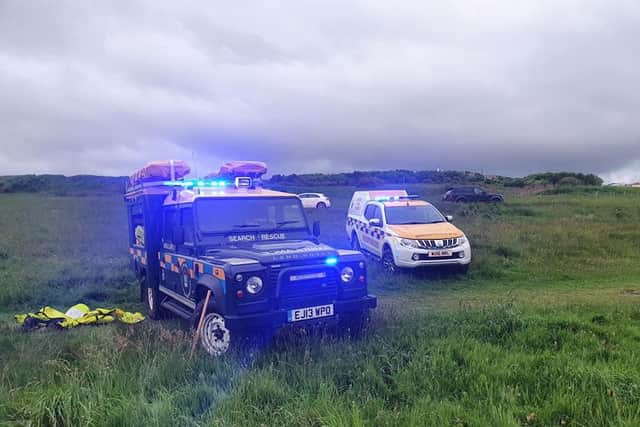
(368, 242)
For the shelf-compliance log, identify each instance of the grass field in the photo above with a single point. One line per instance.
(543, 330)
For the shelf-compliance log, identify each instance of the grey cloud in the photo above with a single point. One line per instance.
(330, 86)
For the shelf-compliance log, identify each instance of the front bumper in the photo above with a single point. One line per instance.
(278, 318)
(404, 257)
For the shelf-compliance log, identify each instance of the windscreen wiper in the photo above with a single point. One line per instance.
(253, 225)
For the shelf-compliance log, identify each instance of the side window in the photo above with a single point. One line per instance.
(136, 229)
(369, 211)
(377, 213)
(170, 216)
(187, 224)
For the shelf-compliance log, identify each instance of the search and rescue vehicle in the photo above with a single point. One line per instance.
(253, 248)
(403, 231)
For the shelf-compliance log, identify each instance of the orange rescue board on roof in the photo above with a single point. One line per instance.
(160, 170)
(248, 168)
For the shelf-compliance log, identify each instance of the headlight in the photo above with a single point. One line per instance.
(409, 243)
(254, 285)
(346, 274)
(462, 240)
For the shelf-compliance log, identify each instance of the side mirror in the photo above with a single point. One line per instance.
(449, 218)
(177, 235)
(375, 222)
(316, 228)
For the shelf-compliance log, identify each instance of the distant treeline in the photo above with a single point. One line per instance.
(88, 184)
(61, 185)
(401, 176)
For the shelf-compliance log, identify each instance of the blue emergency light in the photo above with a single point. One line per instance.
(331, 260)
(197, 183)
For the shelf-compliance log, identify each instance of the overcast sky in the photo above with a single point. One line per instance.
(508, 87)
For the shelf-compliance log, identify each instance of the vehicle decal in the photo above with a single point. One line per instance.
(256, 237)
(369, 233)
(192, 266)
(138, 255)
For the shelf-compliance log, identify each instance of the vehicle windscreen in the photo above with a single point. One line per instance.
(424, 214)
(249, 214)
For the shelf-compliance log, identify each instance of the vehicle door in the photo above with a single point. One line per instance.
(170, 226)
(186, 251)
(478, 194)
(370, 239)
(307, 200)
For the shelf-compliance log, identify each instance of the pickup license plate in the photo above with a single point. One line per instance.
(308, 313)
(439, 253)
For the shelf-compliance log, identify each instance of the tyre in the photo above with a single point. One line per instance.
(321, 205)
(461, 200)
(388, 263)
(353, 325)
(151, 298)
(355, 243)
(496, 199)
(214, 336)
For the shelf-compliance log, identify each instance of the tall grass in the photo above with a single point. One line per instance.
(543, 330)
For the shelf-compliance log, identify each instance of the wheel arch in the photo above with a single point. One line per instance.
(386, 245)
(218, 290)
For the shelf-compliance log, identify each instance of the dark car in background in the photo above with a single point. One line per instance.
(471, 194)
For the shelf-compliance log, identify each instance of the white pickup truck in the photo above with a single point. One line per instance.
(403, 231)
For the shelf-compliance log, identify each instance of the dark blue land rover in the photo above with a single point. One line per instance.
(251, 250)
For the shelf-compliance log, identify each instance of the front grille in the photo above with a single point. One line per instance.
(308, 290)
(438, 244)
(426, 257)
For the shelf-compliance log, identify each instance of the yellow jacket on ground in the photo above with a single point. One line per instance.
(79, 314)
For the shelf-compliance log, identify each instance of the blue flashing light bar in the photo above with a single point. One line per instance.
(200, 183)
(331, 260)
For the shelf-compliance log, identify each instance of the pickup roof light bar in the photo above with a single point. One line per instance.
(396, 198)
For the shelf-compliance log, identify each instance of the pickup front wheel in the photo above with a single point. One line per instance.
(388, 263)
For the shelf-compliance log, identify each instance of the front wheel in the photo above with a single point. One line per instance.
(388, 263)
(215, 336)
(321, 205)
(354, 324)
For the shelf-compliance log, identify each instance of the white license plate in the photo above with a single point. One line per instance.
(440, 253)
(308, 313)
